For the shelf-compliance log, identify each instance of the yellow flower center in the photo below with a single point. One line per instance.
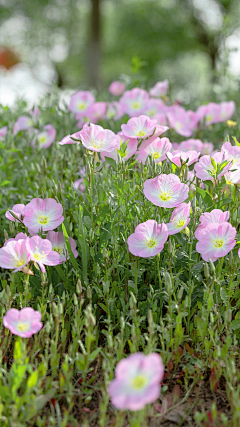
(165, 195)
(81, 106)
(180, 223)
(218, 243)
(155, 155)
(96, 144)
(38, 256)
(139, 382)
(136, 105)
(58, 249)
(141, 133)
(209, 118)
(151, 243)
(231, 123)
(43, 219)
(42, 139)
(19, 262)
(23, 327)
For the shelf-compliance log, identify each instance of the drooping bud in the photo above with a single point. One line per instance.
(206, 270)
(212, 266)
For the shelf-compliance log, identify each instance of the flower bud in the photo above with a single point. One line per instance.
(206, 270)
(92, 320)
(212, 266)
(5, 234)
(105, 253)
(230, 258)
(168, 281)
(75, 300)
(79, 287)
(89, 292)
(133, 298)
(169, 246)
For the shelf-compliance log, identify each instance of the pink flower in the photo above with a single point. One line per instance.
(139, 127)
(232, 178)
(216, 216)
(35, 113)
(14, 255)
(205, 170)
(126, 148)
(207, 148)
(80, 101)
(42, 214)
(215, 240)
(137, 381)
(23, 323)
(18, 210)
(227, 109)
(148, 239)
(232, 154)
(79, 183)
(159, 89)
(133, 102)
(191, 144)
(96, 111)
(95, 138)
(19, 236)
(161, 119)
(155, 106)
(166, 191)
(212, 113)
(114, 111)
(116, 88)
(40, 251)
(22, 123)
(68, 139)
(179, 219)
(178, 122)
(59, 245)
(45, 138)
(3, 132)
(157, 149)
(180, 158)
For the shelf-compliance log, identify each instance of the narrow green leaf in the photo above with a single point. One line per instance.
(72, 258)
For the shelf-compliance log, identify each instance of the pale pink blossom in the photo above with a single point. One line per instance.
(45, 137)
(178, 120)
(42, 214)
(207, 148)
(79, 183)
(137, 381)
(41, 252)
(215, 240)
(159, 130)
(96, 111)
(154, 106)
(133, 102)
(159, 89)
(95, 138)
(157, 150)
(191, 144)
(35, 113)
(165, 190)
(68, 139)
(80, 101)
(148, 239)
(139, 127)
(216, 216)
(232, 178)
(23, 323)
(161, 119)
(180, 218)
(205, 170)
(59, 245)
(232, 154)
(22, 123)
(180, 158)
(14, 255)
(18, 210)
(116, 88)
(227, 110)
(114, 111)
(3, 133)
(212, 113)
(19, 236)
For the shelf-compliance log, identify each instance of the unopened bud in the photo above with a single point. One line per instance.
(194, 204)
(122, 323)
(54, 309)
(5, 234)
(79, 287)
(206, 271)
(186, 170)
(60, 308)
(212, 266)
(11, 227)
(44, 163)
(110, 341)
(48, 327)
(105, 253)
(92, 320)
(98, 270)
(150, 317)
(36, 265)
(230, 258)
(89, 292)
(168, 281)
(169, 246)
(186, 231)
(75, 300)
(180, 293)
(133, 298)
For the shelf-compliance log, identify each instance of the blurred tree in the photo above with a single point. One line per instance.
(90, 40)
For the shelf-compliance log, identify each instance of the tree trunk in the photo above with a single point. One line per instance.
(94, 53)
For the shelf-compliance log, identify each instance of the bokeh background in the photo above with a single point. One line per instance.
(86, 44)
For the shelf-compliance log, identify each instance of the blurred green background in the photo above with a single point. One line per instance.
(88, 43)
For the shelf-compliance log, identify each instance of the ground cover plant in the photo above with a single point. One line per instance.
(119, 262)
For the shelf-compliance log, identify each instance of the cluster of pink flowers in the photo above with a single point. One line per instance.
(40, 215)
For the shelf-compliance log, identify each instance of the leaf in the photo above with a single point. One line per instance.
(4, 183)
(32, 380)
(72, 257)
(60, 272)
(224, 295)
(87, 222)
(111, 162)
(94, 354)
(235, 324)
